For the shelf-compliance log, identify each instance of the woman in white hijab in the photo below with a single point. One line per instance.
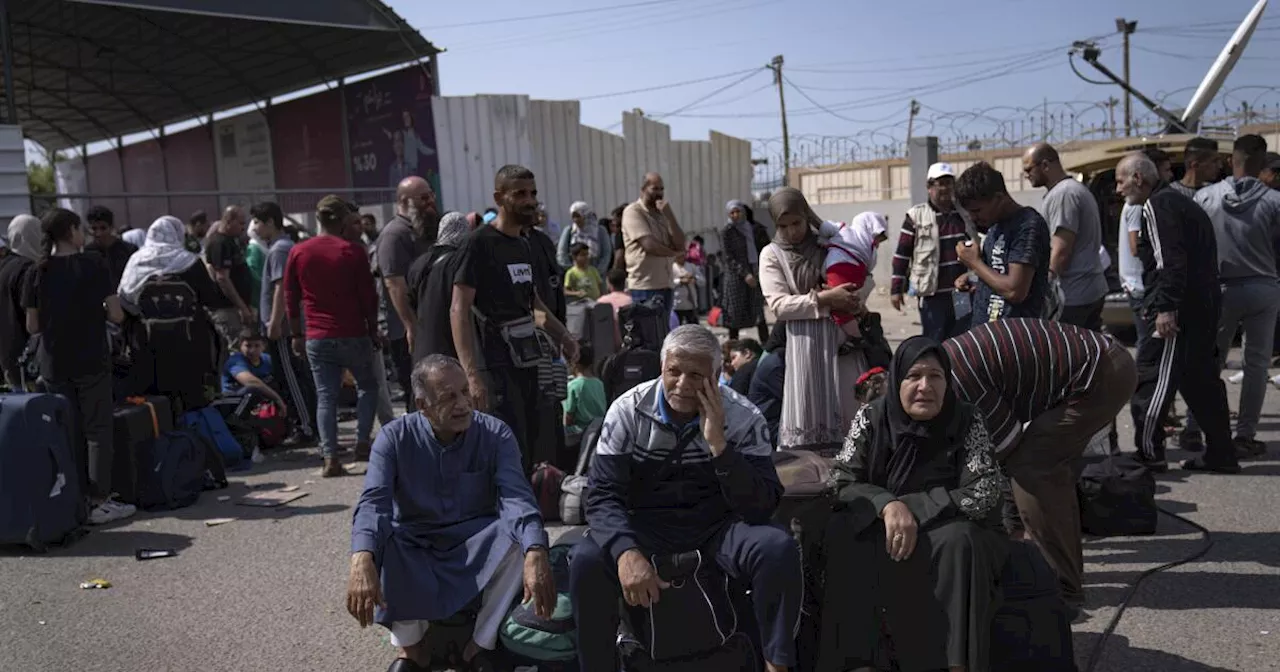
(164, 253)
(586, 229)
(25, 237)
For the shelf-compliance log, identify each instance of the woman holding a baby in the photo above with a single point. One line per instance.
(815, 277)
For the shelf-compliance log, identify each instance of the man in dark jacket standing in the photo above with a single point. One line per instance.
(1180, 271)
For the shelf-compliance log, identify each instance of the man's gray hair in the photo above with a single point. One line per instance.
(423, 370)
(696, 340)
(1140, 164)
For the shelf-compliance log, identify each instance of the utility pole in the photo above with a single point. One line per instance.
(1127, 28)
(776, 67)
(911, 120)
(1111, 109)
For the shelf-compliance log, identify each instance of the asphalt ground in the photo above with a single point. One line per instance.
(266, 591)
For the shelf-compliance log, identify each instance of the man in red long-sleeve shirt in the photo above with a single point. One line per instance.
(328, 278)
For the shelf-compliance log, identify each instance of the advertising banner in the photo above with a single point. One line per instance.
(243, 148)
(391, 130)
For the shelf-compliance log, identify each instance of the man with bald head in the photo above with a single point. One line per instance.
(652, 238)
(1076, 226)
(410, 233)
(224, 253)
(1182, 303)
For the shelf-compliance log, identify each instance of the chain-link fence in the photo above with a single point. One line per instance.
(139, 210)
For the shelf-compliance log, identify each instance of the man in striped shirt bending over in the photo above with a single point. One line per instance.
(1067, 383)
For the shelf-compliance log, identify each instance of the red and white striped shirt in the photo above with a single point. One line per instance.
(1015, 369)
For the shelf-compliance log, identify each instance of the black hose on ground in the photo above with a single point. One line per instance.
(1098, 649)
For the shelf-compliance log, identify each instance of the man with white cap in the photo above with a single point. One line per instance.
(925, 262)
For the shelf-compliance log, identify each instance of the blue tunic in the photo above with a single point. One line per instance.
(439, 519)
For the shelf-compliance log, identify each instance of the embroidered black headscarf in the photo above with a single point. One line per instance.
(900, 440)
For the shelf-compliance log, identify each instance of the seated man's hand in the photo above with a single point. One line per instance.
(364, 591)
(539, 584)
(641, 585)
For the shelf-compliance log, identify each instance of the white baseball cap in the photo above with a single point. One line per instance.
(941, 170)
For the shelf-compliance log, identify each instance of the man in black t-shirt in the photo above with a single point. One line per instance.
(197, 229)
(496, 277)
(68, 300)
(13, 324)
(225, 256)
(106, 243)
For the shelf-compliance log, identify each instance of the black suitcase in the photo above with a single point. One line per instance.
(1117, 497)
(1032, 629)
(135, 427)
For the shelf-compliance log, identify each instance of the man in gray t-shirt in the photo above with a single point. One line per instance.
(1074, 221)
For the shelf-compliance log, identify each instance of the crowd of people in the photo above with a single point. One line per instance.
(970, 440)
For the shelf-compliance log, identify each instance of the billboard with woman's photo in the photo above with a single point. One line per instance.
(391, 130)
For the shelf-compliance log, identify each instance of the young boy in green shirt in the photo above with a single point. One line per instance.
(586, 399)
(583, 280)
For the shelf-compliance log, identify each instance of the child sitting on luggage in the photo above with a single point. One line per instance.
(851, 256)
(246, 384)
(586, 398)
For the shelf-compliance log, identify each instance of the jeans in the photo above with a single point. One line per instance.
(938, 317)
(329, 356)
(93, 438)
(385, 412)
(642, 295)
(1251, 306)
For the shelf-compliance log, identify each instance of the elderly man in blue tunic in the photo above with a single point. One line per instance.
(446, 515)
(683, 464)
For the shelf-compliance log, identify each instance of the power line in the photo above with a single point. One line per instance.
(662, 87)
(717, 92)
(1018, 66)
(837, 115)
(553, 15)
(596, 29)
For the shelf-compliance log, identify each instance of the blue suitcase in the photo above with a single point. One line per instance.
(40, 498)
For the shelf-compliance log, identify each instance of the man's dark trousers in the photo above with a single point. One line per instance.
(1185, 362)
(402, 362)
(763, 556)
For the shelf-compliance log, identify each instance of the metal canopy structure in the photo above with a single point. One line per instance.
(81, 71)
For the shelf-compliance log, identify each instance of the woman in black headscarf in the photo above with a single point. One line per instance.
(917, 530)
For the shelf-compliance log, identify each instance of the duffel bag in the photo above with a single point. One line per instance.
(1117, 497)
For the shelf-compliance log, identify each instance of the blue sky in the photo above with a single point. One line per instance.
(865, 59)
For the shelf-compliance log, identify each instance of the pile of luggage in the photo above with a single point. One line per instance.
(160, 461)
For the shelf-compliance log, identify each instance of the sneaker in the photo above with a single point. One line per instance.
(1249, 447)
(1236, 377)
(110, 511)
(1275, 381)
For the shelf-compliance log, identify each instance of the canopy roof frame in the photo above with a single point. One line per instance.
(179, 65)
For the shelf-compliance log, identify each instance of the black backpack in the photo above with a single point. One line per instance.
(167, 303)
(1117, 497)
(644, 325)
(626, 369)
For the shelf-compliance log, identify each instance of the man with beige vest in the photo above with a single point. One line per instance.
(925, 261)
(651, 238)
